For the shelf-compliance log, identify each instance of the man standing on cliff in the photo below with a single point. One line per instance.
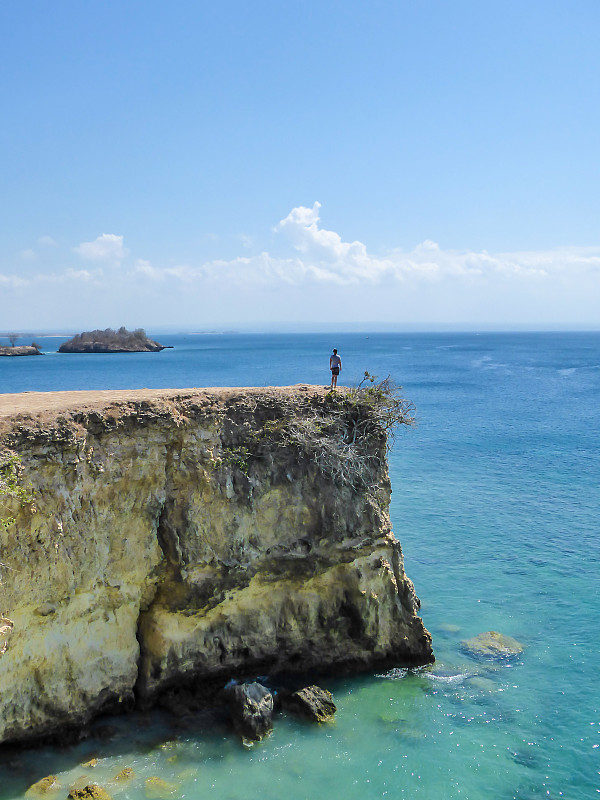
(335, 365)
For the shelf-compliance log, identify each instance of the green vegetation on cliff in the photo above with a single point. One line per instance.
(11, 488)
(344, 433)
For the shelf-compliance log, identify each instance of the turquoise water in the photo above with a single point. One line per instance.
(496, 502)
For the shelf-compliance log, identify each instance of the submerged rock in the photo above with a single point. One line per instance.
(126, 774)
(312, 703)
(156, 788)
(251, 708)
(449, 627)
(492, 645)
(43, 787)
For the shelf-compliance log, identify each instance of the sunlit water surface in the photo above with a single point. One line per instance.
(496, 502)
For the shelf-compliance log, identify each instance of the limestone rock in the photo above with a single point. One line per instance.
(126, 774)
(312, 703)
(187, 536)
(251, 707)
(90, 792)
(492, 645)
(6, 629)
(156, 788)
(79, 783)
(43, 787)
(45, 609)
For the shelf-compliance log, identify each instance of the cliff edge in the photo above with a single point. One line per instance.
(190, 536)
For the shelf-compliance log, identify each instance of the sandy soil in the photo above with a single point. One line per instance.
(42, 404)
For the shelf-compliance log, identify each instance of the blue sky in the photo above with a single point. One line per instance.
(192, 165)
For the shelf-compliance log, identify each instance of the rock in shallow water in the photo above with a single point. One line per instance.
(43, 787)
(156, 788)
(251, 707)
(312, 703)
(90, 792)
(492, 645)
(126, 774)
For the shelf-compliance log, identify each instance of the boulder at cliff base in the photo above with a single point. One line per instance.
(312, 703)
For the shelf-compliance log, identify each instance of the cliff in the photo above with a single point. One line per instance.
(189, 536)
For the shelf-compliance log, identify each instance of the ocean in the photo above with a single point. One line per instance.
(496, 502)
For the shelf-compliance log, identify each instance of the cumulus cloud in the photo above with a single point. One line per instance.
(107, 247)
(320, 256)
(47, 241)
(309, 254)
(326, 257)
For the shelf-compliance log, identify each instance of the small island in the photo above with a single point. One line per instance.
(32, 349)
(21, 350)
(111, 341)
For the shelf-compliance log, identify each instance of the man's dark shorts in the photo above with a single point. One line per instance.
(335, 370)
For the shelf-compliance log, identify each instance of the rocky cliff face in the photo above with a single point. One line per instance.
(193, 536)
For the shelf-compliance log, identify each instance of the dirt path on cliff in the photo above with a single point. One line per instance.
(40, 404)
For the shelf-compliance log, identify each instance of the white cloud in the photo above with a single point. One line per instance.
(81, 274)
(327, 258)
(320, 256)
(146, 270)
(107, 247)
(313, 265)
(47, 241)
(27, 255)
(12, 281)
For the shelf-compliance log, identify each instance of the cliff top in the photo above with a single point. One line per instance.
(44, 405)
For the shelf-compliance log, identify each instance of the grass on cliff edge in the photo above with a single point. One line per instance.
(386, 403)
(344, 437)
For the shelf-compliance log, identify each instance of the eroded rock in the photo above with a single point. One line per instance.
(311, 703)
(187, 536)
(156, 788)
(6, 629)
(44, 787)
(126, 774)
(90, 792)
(251, 708)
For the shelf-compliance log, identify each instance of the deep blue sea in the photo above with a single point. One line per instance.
(496, 501)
